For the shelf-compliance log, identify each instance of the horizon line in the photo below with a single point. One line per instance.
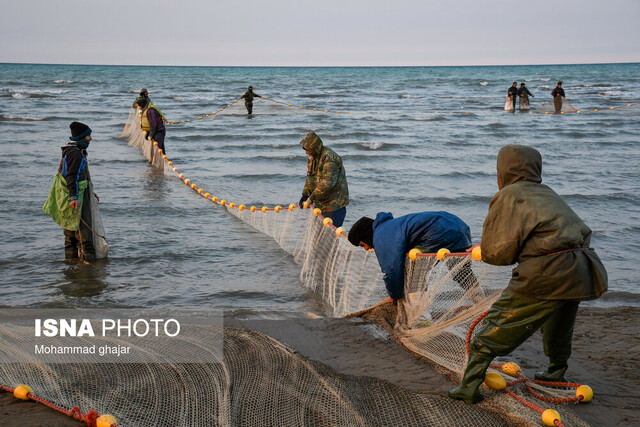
(320, 66)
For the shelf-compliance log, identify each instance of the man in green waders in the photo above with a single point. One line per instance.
(529, 224)
(75, 169)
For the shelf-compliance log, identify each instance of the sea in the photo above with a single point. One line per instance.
(411, 138)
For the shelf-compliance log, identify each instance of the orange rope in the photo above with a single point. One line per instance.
(531, 405)
(524, 379)
(472, 327)
(75, 413)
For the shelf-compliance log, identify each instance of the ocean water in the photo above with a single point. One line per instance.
(423, 138)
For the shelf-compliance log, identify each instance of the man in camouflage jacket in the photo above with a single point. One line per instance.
(326, 185)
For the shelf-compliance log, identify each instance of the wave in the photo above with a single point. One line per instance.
(63, 81)
(12, 118)
(194, 98)
(434, 118)
(611, 93)
(341, 91)
(463, 200)
(495, 126)
(312, 95)
(34, 91)
(607, 197)
(484, 83)
(539, 79)
(371, 145)
(621, 296)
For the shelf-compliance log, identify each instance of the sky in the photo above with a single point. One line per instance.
(319, 32)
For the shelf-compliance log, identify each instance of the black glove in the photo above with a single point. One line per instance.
(302, 200)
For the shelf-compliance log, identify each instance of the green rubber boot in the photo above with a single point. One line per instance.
(473, 377)
(555, 371)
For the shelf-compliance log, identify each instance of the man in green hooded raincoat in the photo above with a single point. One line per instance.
(529, 224)
(326, 185)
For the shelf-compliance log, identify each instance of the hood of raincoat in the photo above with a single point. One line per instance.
(519, 163)
(312, 143)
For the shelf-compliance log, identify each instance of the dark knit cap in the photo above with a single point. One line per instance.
(79, 131)
(143, 92)
(142, 102)
(362, 231)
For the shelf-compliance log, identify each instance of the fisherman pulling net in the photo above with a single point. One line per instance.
(444, 293)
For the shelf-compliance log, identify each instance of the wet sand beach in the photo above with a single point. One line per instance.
(606, 356)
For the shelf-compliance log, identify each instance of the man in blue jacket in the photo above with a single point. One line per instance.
(392, 238)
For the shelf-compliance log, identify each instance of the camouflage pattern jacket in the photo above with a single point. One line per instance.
(326, 183)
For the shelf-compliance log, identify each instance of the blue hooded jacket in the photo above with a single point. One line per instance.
(394, 237)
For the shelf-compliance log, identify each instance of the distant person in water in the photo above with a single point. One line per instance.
(558, 96)
(524, 94)
(326, 185)
(248, 99)
(152, 123)
(512, 96)
(144, 94)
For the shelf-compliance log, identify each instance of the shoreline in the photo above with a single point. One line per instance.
(606, 356)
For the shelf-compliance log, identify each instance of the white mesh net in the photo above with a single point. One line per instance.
(550, 107)
(262, 382)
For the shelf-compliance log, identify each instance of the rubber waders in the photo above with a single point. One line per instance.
(472, 379)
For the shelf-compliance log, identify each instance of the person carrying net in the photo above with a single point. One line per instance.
(248, 99)
(524, 95)
(326, 185)
(558, 96)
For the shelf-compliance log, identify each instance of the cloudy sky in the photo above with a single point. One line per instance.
(319, 32)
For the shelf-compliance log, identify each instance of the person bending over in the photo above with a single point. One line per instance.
(326, 185)
(391, 238)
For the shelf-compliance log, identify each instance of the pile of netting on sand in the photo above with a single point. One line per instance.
(260, 381)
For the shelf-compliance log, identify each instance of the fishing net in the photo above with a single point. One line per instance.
(260, 381)
(549, 108)
(97, 228)
(132, 125)
(443, 297)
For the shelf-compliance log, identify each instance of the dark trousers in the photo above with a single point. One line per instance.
(557, 103)
(249, 106)
(159, 138)
(513, 318)
(83, 237)
(336, 216)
